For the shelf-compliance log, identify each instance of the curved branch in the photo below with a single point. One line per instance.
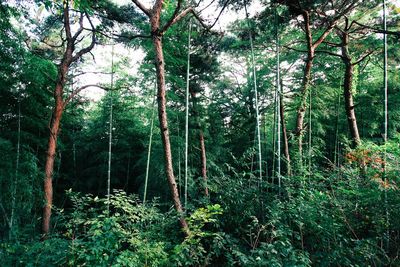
(142, 7)
(80, 89)
(88, 48)
(367, 54)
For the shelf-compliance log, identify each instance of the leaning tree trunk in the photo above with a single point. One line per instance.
(60, 103)
(162, 116)
(51, 153)
(348, 91)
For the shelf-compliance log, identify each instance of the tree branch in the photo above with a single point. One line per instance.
(222, 10)
(324, 34)
(66, 22)
(329, 53)
(79, 31)
(88, 48)
(377, 30)
(142, 7)
(177, 18)
(367, 54)
(80, 89)
(173, 17)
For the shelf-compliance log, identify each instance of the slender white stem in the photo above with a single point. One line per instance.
(14, 192)
(187, 115)
(385, 113)
(146, 180)
(310, 133)
(255, 97)
(278, 93)
(110, 133)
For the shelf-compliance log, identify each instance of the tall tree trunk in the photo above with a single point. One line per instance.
(203, 155)
(284, 136)
(51, 153)
(162, 116)
(301, 110)
(203, 161)
(60, 103)
(348, 90)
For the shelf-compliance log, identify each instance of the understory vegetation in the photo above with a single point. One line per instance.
(138, 136)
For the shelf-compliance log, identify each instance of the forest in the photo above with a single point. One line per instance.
(199, 133)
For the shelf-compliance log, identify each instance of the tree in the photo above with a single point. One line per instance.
(157, 32)
(306, 12)
(70, 56)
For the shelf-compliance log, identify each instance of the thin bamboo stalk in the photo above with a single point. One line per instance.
(146, 180)
(110, 133)
(255, 96)
(187, 115)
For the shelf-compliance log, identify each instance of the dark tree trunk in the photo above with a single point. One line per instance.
(203, 155)
(311, 47)
(348, 90)
(284, 136)
(301, 110)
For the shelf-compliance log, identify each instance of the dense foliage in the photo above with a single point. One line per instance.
(336, 202)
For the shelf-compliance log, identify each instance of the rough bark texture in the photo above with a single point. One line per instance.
(301, 110)
(203, 162)
(203, 155)
(51, 150)
(162, 116)
(284, 136)
(58, 109)
(348, 90)
(156, 33)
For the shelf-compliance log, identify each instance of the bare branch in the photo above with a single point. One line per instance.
(177, 18)
(113, 35)
(173, 17)
(80, 29)
(329, 53)
(142, 7)
(80, 89)
(88, 48)
(332, 44)
(90, 72)
(324, 34)
(67, 26)
(294, 49)
(53, 45)
(220, 12)
(367, 54)
(377, 30)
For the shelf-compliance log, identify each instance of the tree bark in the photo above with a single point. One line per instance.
(203, 155)
(301, 110)
(284, 136)
(60, 103)
(51, 153)
(162, 116)
(348, 90)
(203, 161)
